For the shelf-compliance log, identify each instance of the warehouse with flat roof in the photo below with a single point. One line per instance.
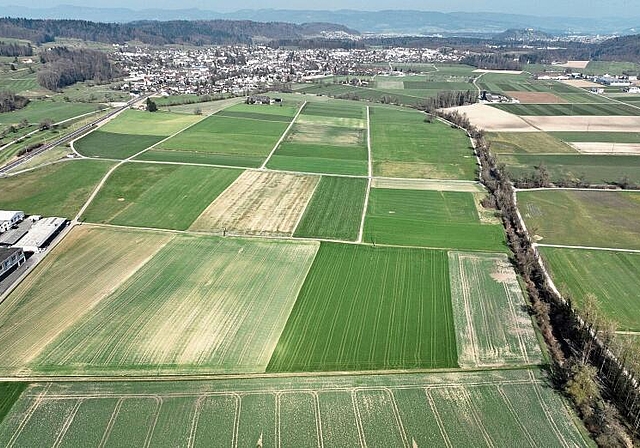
(41, 234)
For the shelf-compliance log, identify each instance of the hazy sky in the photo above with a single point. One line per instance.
(580, 8)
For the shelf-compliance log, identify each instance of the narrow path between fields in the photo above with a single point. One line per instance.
(282, 137)
(369, 178)
(609, 249)
(122, 162)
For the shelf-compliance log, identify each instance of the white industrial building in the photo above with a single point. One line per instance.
(9, 218)
(41, 234)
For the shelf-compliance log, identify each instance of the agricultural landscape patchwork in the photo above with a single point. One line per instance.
(315, 272)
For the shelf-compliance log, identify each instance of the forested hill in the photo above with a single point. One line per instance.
(160, 33)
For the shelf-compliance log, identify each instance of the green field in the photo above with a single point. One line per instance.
(335, 209)
(69, 282)
(231, 160)
(607, 109)
(37, 110)
(238, 136)
(9, 394)
(159, 196)
(461, 409)
(492, 326)
(328, 137)
(366, 308)
(612, 277)
(55, 190)
(610, 137)
(440, 219)
(596, 169)
(136, 122)
(201, 304)
(111, 145)
(404, 145)
(583, 218)
(611, 67)
(131, 132)
(527, 142)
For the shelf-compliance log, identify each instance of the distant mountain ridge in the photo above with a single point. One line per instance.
(391, 21)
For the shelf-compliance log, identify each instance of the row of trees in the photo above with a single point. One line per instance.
(15, 50)
(493, 61)
(584, 365)
(64, 67)
(9, 101)
(448, 98)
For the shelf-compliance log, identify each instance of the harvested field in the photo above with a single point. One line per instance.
(575, 64)
(320, 120)
(612, 277)
(583, 218)
(260, 203)
(159, 196)
(427, 184)
(536, 97)
(585, 123)
(367, 308)
(327, 135)
(492, 326)
(607, 148)
(201, 304)
(355, 411)
(88, 265)
(335, 209)
(492, 119)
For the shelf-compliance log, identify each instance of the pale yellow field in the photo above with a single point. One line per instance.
(492, 119)
(259, 203)
(607, 148)
(87, 266)
(585, 123)
(580, 83)
(332, 121)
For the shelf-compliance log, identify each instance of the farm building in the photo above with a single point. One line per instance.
(10, 257)
(13, 235)
(9, 218)
(41, 234)
(258, 99)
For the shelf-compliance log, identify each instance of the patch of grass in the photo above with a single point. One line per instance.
(403, 145)
(318, 165)
(526, 142)
(441, 219)
(322, 151)
(335, 209)
(364, 308)
(224, 135)
(55, 190)
(583, 218)
(160, 196)
(597, 169)
(606, 137)
(9, 394)
(331, 109)
(149, 123)
(37, 110)
(114, 146)
(612, 277)
(611, 67)
(606, 109)
(201, 304)
(170, 155)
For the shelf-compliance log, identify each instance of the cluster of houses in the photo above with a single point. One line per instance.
(239, 69)
(628, 83)
(20, 235)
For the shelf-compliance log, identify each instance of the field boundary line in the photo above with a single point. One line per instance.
(369, 179)
(606, 249)
(194, 421)
(282, 137)
(514, 414)
(304, 210)
(604, 190)
(547, 414)
(396, 414)
(316, 404)
(474, 415)
(358, 418)
(152, 427)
